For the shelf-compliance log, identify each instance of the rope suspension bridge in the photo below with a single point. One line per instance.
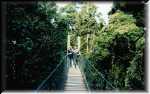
(76, 78)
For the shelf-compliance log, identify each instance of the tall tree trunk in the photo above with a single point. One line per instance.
(68, 41)
(78, 38)
(87, 48)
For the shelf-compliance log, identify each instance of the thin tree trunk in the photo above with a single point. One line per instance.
(87, 49)
(79, 43)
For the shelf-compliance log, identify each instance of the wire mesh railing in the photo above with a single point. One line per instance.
(43, 83)
(84, 77)
(94, 78)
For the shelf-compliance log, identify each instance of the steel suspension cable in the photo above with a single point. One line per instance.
(50, 75)
(85, 79)
(102, 76)
(90, 71)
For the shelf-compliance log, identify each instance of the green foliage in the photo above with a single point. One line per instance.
(81, 23)
(140, 44)
(118, 54)
(36, 42)
(134, 8)
(86, 25)
(135, 74)
(85, 22)
(121, 22)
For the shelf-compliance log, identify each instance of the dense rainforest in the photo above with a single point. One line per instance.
(36, 44)
(118, 53)
(112, 55)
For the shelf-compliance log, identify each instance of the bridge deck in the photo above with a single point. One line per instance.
(75, 80)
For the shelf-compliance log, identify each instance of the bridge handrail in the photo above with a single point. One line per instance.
(87, 85)
(50, 75)
(101, 74)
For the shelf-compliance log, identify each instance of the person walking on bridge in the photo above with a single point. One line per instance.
(70, 56)
(76, 56)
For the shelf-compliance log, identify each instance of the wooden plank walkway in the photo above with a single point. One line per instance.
(75, 80)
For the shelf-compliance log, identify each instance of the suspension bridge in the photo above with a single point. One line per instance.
(76, 79)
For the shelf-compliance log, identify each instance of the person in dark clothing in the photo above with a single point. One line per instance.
(76, 56)
(73, 56)
(70, 56)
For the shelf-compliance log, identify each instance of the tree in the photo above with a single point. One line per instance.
(134, 8)
(86, 26)
(115, 54)
(35, 46)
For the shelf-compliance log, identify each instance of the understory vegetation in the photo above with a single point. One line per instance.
(119, 54)
(36, 44)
